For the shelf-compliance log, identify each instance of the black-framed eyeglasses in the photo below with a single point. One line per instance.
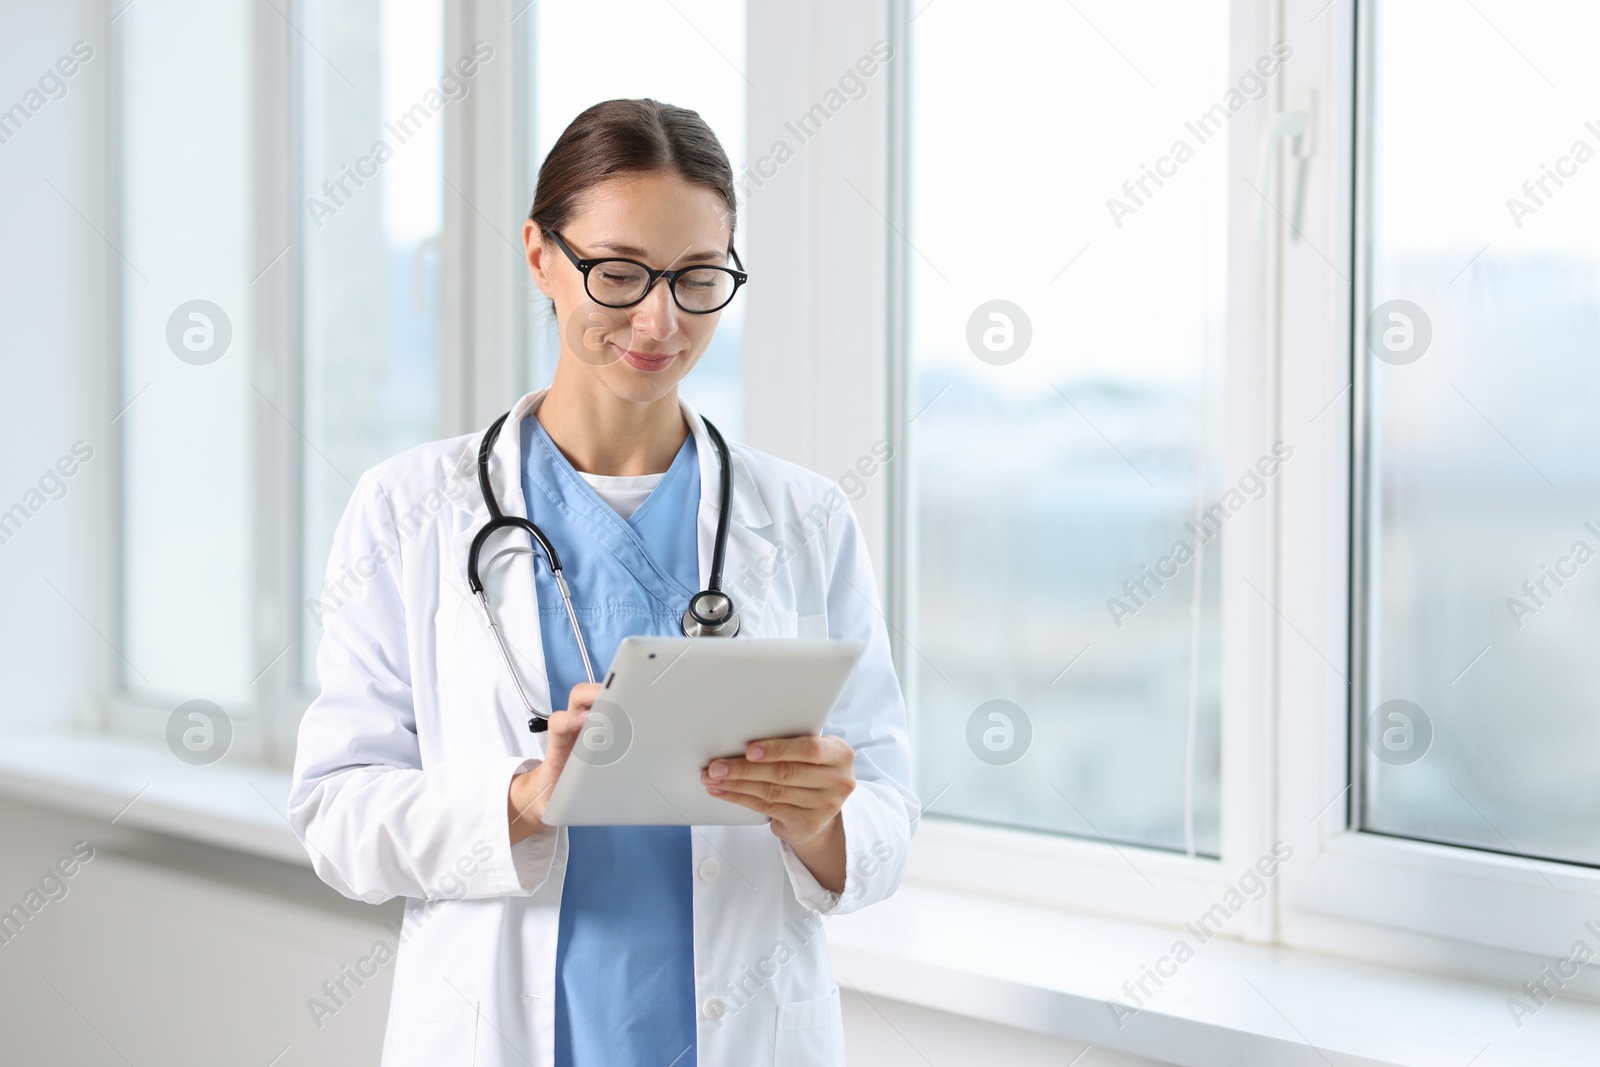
(621, 283)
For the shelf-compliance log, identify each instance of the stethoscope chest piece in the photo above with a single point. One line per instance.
(711, 614)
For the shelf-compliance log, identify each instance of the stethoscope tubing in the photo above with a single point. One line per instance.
(498, 520)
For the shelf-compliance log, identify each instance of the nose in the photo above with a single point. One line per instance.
(656, 316)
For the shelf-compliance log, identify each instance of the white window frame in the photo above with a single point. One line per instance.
(821, 358)
(1411, 903)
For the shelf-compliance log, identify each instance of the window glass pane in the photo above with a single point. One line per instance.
(374, 100)
(184, 103)
(1482, 332)
(689, 53)
(1062, 439)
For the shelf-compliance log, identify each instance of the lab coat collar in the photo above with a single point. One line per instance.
(749, 510)
(752, 553)
(505, 470)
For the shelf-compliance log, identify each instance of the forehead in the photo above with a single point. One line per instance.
(659, 215)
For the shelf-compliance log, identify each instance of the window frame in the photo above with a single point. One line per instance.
(1128, 881)
(1408, 902)
(257, 726)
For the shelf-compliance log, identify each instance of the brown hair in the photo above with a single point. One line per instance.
(617, 137)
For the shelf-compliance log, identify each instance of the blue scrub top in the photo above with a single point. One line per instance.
(625, 951)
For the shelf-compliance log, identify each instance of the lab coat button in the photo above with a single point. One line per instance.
(709, 869)
(714, 1008)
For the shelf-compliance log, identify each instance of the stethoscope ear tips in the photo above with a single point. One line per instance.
(537, 725)
(711, 614)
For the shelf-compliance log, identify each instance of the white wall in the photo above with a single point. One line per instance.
(890, 1033)
(163, 951)
(166, 952)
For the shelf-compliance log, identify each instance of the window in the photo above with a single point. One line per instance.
(368, 97)
(1436, 369)
(1065, 422)
(1121, 582)
(1477, 339)
(186, 195)
(374, 97)
(691, 54)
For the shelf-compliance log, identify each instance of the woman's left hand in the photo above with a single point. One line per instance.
(800, 783)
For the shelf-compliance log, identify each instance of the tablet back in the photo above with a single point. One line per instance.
(670, 705)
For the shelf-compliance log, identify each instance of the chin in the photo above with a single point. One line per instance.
(640, 387)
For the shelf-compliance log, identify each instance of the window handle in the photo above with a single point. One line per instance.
(1299, 128)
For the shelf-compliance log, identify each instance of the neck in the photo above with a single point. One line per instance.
(602, 433)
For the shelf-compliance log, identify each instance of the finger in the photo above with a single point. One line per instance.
(583, 696)
(565, 725)
(787, 820)
(563, 734)
(753, 803)
(786, 771)
(823, 749)
(808, 799)
(812, 753)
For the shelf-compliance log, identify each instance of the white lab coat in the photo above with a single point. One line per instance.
(406, 755)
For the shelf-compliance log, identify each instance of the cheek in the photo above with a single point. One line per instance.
(569, 296)
(697, 350)
(703, 330)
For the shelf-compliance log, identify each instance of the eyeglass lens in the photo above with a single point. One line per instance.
(617, 283)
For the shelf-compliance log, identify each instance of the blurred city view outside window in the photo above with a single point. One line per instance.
(1480, 338)
(1066, 341)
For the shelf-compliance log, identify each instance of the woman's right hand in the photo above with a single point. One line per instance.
(530, 790)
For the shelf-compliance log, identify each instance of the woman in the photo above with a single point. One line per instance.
(417, 774)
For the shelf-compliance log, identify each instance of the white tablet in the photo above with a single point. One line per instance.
(670, 705)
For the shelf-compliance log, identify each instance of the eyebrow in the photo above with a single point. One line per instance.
(635, 252)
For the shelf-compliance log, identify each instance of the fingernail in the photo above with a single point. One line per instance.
(713, 790)
(719, 769)
(756, 752)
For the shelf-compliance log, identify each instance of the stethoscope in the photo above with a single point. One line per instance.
(710, 612)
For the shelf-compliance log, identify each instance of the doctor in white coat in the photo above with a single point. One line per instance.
(416, 774)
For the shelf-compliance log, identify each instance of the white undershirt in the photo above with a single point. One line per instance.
(623, 493)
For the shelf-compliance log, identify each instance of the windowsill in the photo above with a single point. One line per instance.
(1016, 964)
(1051, 971)
(142, 785)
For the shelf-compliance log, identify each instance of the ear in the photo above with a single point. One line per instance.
(534, 251)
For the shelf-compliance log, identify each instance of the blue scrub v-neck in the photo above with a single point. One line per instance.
(625, 949)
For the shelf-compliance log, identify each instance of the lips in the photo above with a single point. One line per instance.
(645, 361)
